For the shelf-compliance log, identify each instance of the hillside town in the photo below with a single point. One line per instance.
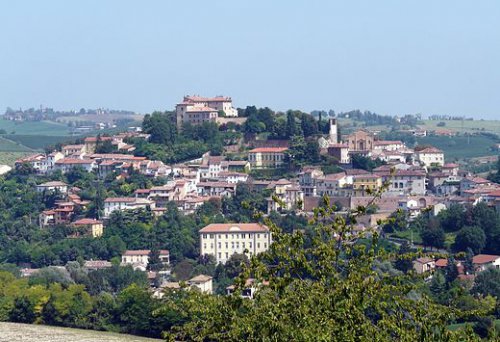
(417, 180)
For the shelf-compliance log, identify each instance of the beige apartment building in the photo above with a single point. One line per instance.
(225, 239)
(266, 157)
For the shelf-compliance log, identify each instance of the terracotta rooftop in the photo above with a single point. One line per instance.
(120, 199)
(484, 258)
(441, 263)
(234, 228)
(430, 150)
(74, 161)
(85, 221)
(268, 150)
(143, 252)
(424, 260)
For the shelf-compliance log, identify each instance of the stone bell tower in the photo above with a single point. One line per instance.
(333, 136)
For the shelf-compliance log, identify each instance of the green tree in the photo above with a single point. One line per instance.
(433, 237)
(154, 261)
(303, 282)
(452, 219)
(487, 283)
(451, 270)
(23, 311)
(161, 126)
(403, 260)
(470, 237)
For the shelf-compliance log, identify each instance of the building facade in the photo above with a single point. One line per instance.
(266, 157)
(222, 240)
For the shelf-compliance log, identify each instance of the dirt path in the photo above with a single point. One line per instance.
(14, 332)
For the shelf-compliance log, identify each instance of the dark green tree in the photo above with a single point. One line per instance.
(470, 237)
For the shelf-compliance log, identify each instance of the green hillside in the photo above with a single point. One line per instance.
(460, 147)
(34, 127)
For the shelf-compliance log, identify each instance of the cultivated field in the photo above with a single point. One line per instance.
(8, 158)
(99, 118)
(34, 127)
(461, 147)
(14, 332)
(7, 145)
(490, 126)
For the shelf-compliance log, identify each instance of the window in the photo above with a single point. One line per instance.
(219, 245)
(227, 244)
(220, 255)
(258, 244)
(250, 245)
(204, 246)
(204, 236)
(265, 245)
(232, 245)
(227, 255)
(243, 244)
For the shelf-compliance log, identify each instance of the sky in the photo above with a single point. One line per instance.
(391, 57)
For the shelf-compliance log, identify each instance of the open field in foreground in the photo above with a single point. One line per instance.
(14, 332)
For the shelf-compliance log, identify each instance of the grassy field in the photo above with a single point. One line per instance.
(7, 145)
(490, 126)
(99, 118)
(410, 235)
(461, 147)
(31, 332)
(8, 158)
(34, 127)
(40, 141)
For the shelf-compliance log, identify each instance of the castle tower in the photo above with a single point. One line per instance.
(333, 137)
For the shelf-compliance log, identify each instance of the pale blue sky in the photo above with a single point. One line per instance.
(392, 57)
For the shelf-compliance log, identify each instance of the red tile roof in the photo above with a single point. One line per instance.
(441, 263)
(70, 161)
(120, 199)
(143, 252)
(430, 150)
(86, 221)
(484, 258)
(94, 139)
(268, 150)
(235, 228)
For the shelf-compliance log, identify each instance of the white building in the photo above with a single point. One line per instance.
(140, 258)
(484, 261)
(125, 203)
(404, 182)
(222, 240)
(66, 164)
(53, 186)
(202, 282)
(430, 156)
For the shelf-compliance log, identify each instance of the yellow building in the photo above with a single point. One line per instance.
(266, 157)
(361, 183)
(88, 227)
(225, 239)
